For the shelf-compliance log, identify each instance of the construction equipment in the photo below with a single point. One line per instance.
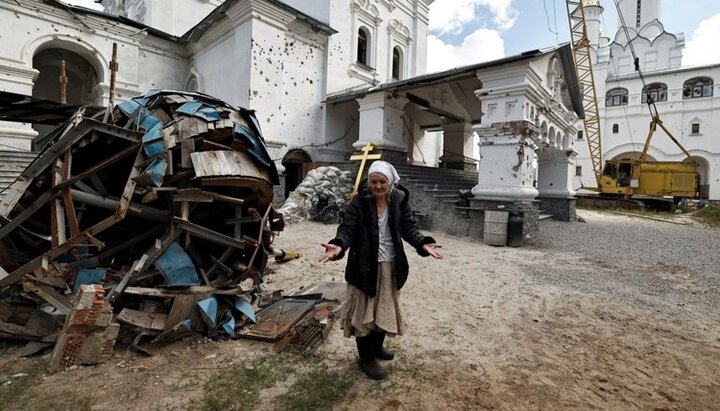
(624, 176)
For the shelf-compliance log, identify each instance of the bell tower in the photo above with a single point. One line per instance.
(638, 13)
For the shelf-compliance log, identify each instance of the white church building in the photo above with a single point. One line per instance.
(687, 98)
(325, 78)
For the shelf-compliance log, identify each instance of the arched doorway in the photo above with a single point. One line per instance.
(703, 176)
(296, 163)
(82, 79)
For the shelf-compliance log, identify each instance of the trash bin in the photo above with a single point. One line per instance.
(495, 227)
(515, 230)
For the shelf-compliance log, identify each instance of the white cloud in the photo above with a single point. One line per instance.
(703, 47)
(481, 45)
(449, 16)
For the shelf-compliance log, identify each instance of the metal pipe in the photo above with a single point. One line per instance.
(111, 204)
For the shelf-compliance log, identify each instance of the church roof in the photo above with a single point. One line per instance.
(219, 14)
(465, 72)
(124, 20)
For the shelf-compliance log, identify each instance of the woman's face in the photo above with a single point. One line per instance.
(379, 184)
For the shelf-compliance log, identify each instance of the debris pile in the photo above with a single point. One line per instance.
(326, 183)
(147, 224)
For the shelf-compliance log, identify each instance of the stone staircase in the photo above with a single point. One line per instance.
(12, 163)
(434, 196)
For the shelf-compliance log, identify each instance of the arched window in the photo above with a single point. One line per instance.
(616, 128)
(656, 92)
(616, 97)
(698, 87)
(362, 46)
(396, 63)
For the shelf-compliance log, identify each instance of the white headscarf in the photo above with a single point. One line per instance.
(386, 169)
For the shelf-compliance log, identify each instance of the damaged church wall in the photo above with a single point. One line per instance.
(283, 80)
(146, 61)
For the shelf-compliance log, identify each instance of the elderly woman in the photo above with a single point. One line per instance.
(376, 222)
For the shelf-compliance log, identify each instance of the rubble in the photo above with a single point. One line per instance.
(145, 224)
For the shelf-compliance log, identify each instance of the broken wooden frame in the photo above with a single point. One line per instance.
(175, 190)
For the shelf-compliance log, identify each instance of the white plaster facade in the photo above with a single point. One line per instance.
(526, 149)
(325, 78)
(30, 27)
(693, 119)
(280, 58)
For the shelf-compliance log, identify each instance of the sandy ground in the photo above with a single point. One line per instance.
(551, 326)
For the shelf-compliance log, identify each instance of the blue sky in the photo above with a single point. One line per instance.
(471, 31)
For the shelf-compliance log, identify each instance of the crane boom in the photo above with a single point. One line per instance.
(586, 80)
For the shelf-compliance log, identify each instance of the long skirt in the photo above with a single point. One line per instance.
(362, 314)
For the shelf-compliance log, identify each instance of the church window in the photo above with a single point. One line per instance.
(363, 50)
(396, 63)
(654, 91)
(616, 97)
(578, 170)
(698, 87)
(695, 128)
(580, 135)
(616, 128)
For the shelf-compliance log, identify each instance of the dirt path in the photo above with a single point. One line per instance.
(545, 327)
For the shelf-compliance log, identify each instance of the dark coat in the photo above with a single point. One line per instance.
(359, 232)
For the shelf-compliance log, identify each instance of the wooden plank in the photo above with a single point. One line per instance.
(226, 163)
(148, 321)
(195, 290)
(67, 199)
(181, 309)
(208, 234)
(19, 330)
(53, 297)
(57, 212)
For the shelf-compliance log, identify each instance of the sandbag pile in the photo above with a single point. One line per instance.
(327, 181)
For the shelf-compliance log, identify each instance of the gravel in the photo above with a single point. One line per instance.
(663, 267)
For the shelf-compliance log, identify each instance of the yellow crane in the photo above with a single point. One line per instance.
(625, 176)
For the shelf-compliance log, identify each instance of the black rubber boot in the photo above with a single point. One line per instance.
(367, 362)
(381, 353)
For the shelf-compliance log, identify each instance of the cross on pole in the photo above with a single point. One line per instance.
(363, 158)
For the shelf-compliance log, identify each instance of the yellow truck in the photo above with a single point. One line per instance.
(627, 177)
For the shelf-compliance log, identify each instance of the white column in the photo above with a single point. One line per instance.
(507, 162)
(458, 144)
(381, 122)
(556, 172)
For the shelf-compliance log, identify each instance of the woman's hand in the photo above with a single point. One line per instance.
(431, 249)
(331, 251)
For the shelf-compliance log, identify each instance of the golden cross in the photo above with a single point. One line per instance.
(363, 158)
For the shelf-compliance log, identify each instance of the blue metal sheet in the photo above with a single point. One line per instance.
(156, 171)
(208, 311)
(148, 122)
(189, 108)
(209, 114)
(229, 327)
(176, 266)
(245, 308)
(88, 276)
(128, 107)
(153, 142)
(256, 145)
(253, 121)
